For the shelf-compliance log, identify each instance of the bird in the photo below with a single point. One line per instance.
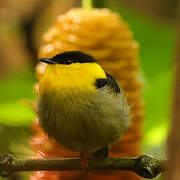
(81, 105)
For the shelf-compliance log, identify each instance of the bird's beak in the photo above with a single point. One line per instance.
(47, 61)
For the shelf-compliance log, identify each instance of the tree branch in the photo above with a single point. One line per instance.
(145, 165)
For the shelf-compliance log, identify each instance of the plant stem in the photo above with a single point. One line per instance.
(86, 4)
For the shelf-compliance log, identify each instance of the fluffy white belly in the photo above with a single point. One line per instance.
(84, 122)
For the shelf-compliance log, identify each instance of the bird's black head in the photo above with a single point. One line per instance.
(69, 57)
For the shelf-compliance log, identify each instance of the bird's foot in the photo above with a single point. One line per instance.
(84, 161)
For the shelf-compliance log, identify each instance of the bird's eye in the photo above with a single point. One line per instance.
(69, 61)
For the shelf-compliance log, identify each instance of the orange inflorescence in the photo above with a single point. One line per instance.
(104, 35)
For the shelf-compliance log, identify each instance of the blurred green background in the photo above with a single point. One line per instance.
(154, 27)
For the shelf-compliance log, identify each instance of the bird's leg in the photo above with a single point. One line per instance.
(84, 160)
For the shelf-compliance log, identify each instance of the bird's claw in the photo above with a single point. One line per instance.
(84, 161)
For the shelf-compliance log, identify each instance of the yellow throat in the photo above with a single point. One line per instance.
(65, 78)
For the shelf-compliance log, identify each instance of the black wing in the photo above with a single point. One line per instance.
(108, 81)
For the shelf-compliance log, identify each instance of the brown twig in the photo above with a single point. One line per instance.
(145, 165)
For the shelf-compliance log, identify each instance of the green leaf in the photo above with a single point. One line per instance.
(157, 96)
(15, 87)
(15, 114)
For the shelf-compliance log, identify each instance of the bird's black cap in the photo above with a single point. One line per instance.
(69, 57)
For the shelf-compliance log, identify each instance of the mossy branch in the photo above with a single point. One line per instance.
(145, 165)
